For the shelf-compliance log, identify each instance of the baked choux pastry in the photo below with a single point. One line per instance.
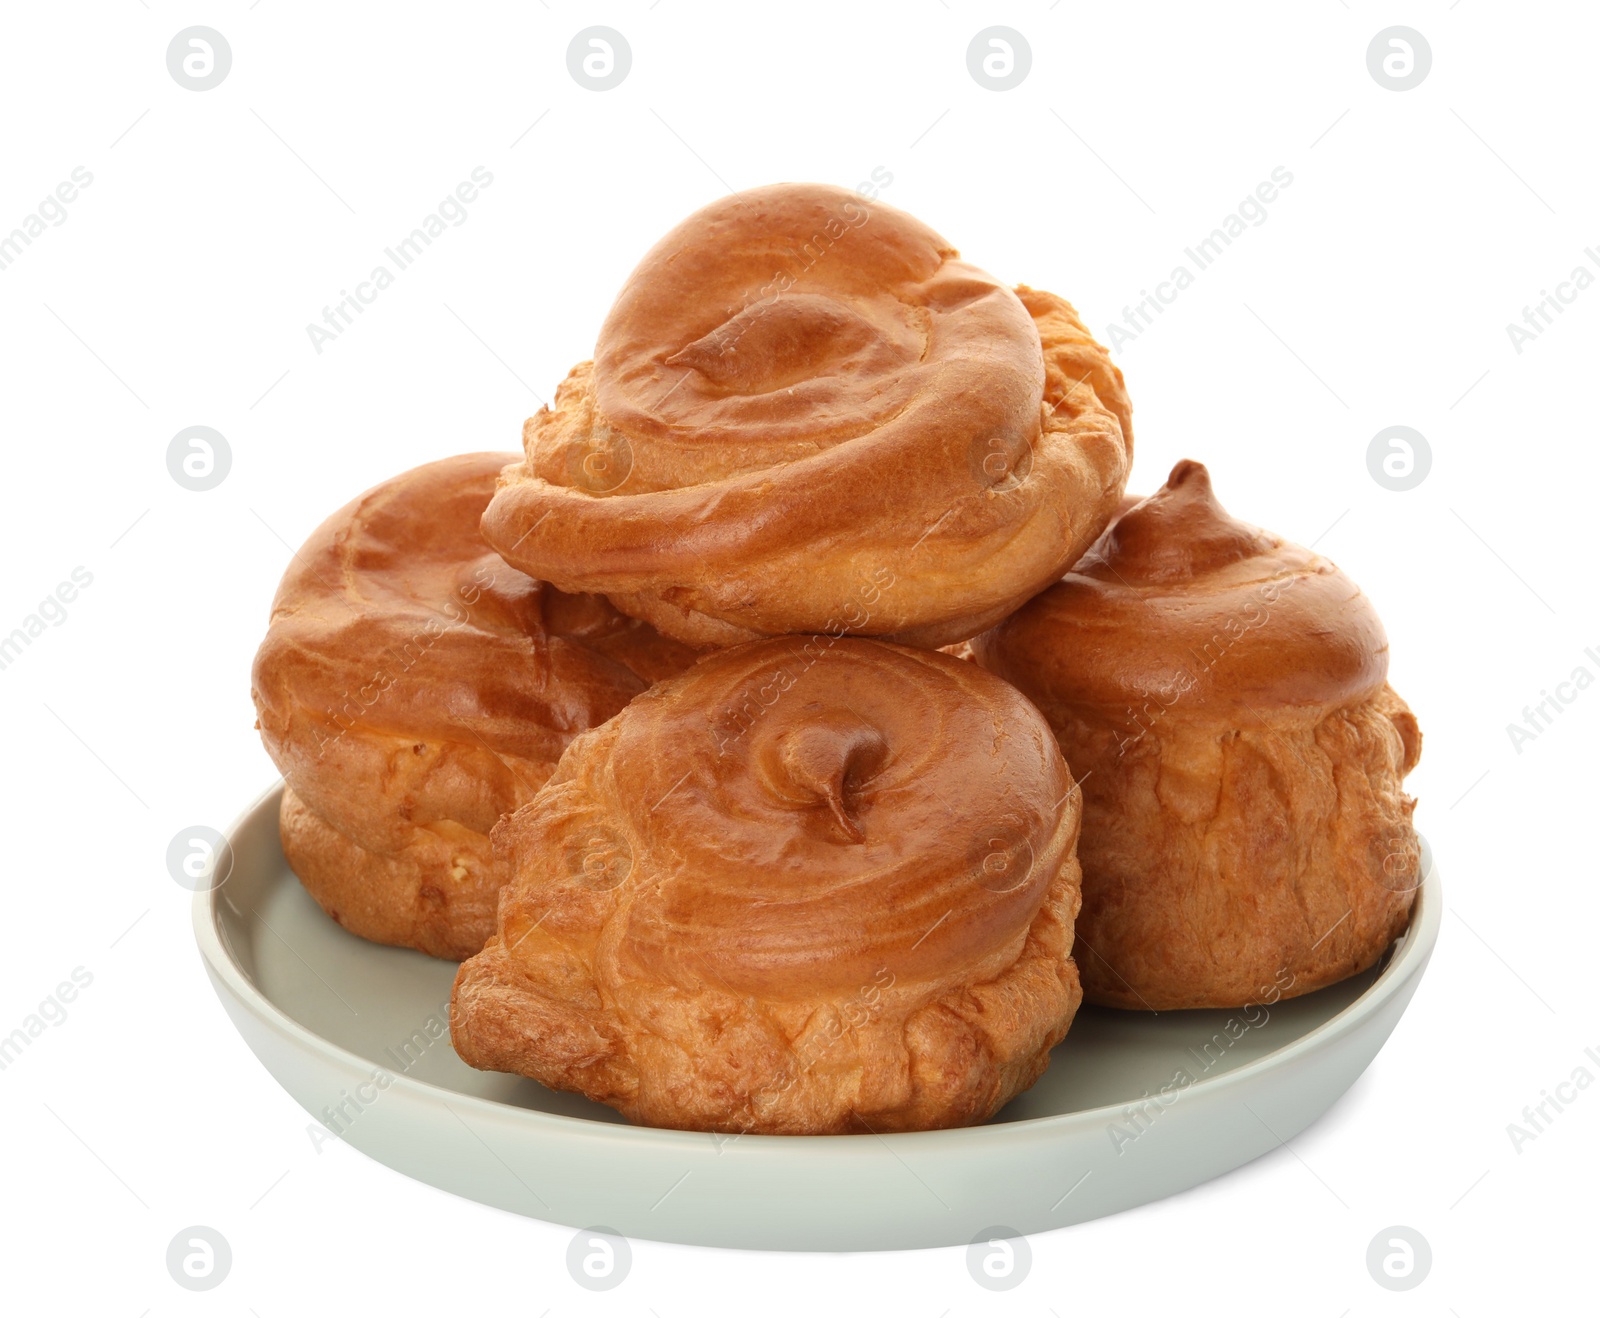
(806, 414)
(814, 885)
(1221, 696)
(412, 688)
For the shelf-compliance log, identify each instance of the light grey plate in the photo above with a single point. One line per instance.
(356, 1033)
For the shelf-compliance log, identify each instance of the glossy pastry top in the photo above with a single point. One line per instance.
(799, 813)
(730, 375)
(774, 363)
(1179, 600)
(395, 616)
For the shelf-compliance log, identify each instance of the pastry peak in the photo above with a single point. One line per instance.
(1179, 599)
(1179, 533)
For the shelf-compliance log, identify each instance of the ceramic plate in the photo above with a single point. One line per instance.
(1133, 1107)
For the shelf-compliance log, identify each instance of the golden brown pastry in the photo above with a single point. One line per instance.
(412, 688)
(813, 885)
(806, 414)
(1221, 696)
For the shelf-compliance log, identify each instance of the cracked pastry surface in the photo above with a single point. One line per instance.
(813, 885)
(805, 413)
(1222, 697)
(412, 687)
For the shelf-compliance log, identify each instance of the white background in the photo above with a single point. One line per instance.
(1377, 293)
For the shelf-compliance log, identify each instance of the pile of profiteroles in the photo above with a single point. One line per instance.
(806, 722)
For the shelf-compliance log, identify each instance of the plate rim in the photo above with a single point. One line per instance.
(1408, 956)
